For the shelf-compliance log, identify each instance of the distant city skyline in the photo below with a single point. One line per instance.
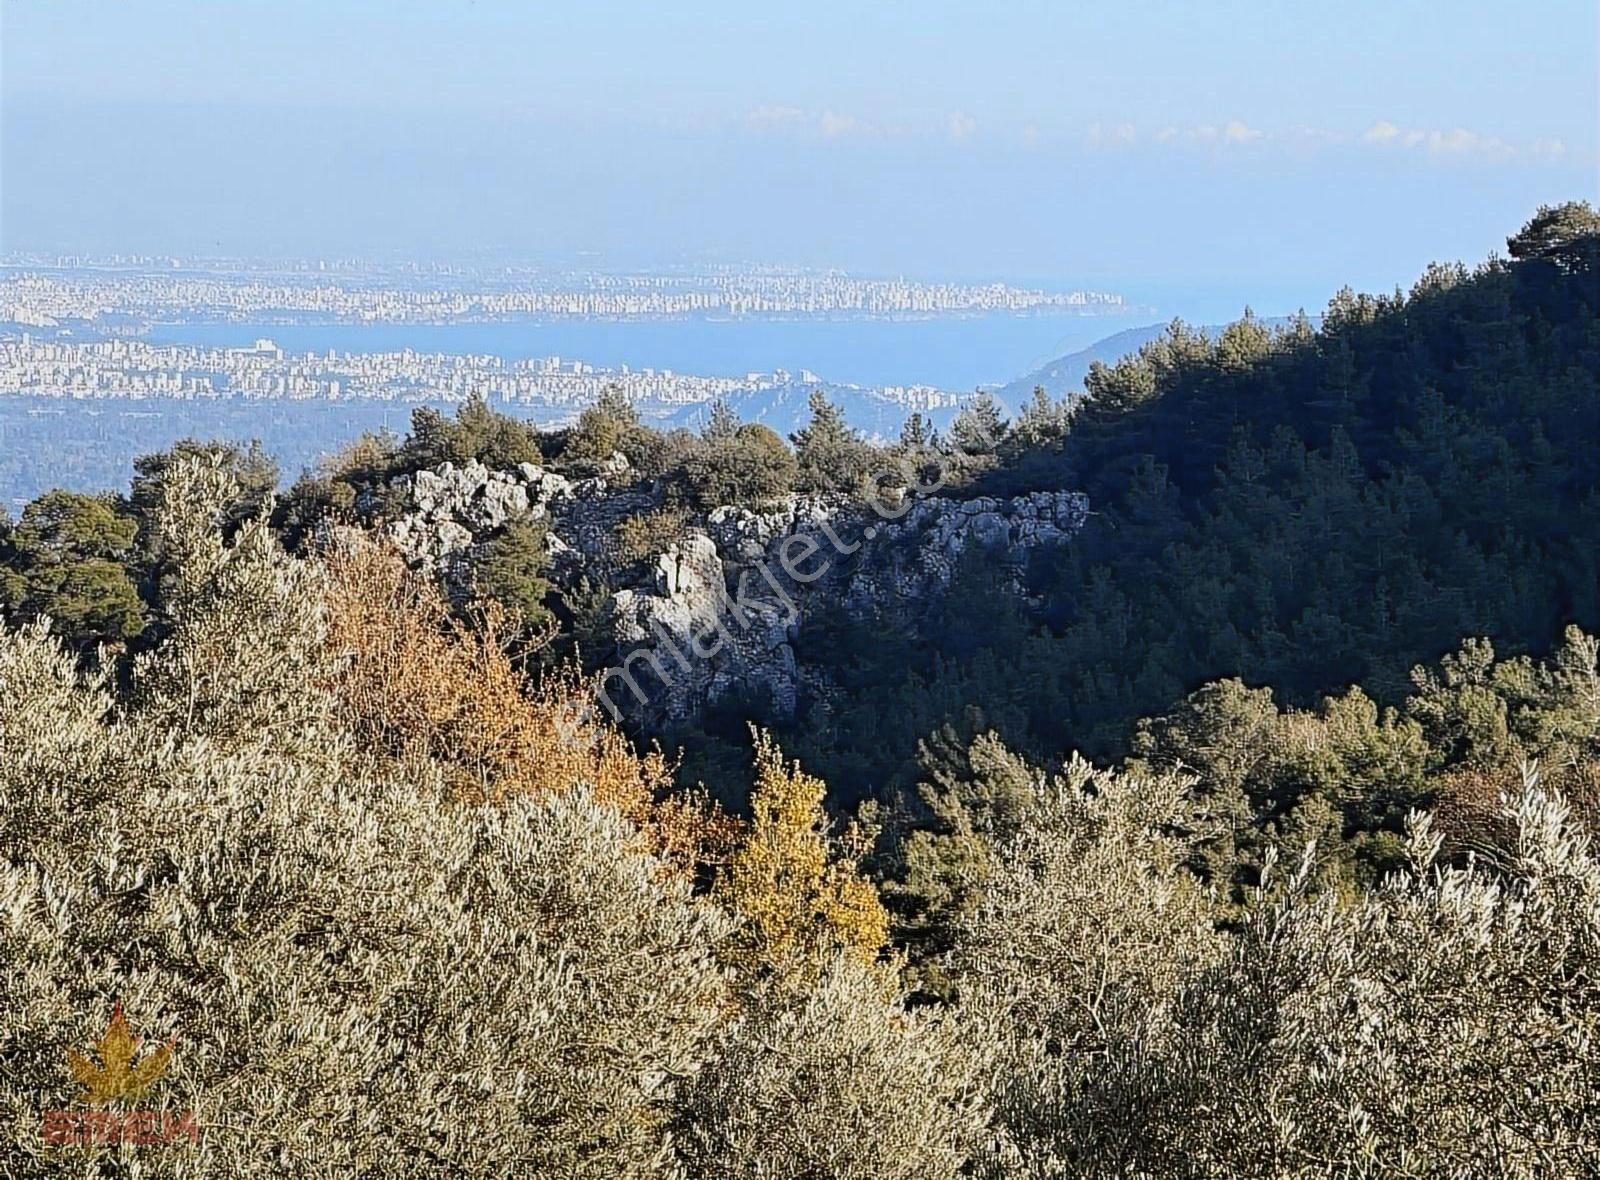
(490, 263)
(122, 369)
(1252, 152)
(48, 297)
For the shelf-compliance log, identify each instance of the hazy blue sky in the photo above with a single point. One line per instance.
(1276, 147)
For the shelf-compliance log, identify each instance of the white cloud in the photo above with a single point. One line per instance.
(1382, 131)
(1457, 141)
(1122, 135)
(766, 118)
(1237, 132)
(1305, 138)
(791, 120)
(1232, 133)
(833, 125)
(1385, 135)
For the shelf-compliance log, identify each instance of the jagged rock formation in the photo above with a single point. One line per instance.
(908, 550)
(719, 609)
(449, 508)
(449, 511)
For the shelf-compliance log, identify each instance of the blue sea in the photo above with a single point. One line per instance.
(90, 445)
(951, 353)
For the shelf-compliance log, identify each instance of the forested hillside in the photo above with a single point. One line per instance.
(1302, 509)
(1244, 827)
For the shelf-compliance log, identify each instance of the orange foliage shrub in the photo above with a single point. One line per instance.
(417, 683)
(1469, 808)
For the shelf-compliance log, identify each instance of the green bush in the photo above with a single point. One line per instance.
(749, 466)
(645, 536)
(511, 571)
(70, 558)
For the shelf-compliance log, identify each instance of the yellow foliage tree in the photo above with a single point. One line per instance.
(800, 896)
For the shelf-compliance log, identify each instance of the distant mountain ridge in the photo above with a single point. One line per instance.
(784, 409)
(50, 442)
(880, 417)
(1066, 374)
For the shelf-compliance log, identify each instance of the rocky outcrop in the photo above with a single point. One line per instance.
(718, 611)
(880, 554)
(450, 508)
(729, 602)
(449, 512)
(689, 639)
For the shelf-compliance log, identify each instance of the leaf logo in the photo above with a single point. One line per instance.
(118, 1075)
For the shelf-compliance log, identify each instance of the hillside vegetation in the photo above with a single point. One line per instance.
(1325, 902)
(1302, 509)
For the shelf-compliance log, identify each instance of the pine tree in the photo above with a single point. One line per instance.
(1041, 423)
(512, 571)
(604, 428)
(1567, 235)
(494, 439)
(832, 456)
(980, 427)
(915, 434)
(67, 559)
(721, 424)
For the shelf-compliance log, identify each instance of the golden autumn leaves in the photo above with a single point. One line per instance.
(798, 898)
(416, 683)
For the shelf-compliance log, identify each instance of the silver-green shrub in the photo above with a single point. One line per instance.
(1073, 960)
(837, 1081)
(363, 977)
(367, 977)
(242, 622)
(1444, 1025)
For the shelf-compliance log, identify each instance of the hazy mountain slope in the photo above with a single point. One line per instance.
(1066, 374)
(784, 410)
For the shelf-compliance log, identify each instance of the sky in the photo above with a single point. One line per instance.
(1274, 150)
